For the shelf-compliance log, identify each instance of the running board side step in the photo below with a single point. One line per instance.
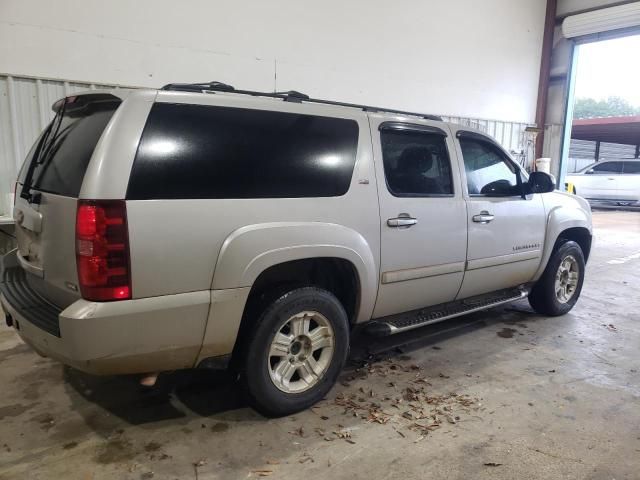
(426, 316)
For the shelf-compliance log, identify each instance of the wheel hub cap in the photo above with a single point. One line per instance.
(301, 352)
(567, 277)
(295, 348)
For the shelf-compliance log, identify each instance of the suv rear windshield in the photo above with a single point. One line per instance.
(198, 151)
(61, 170)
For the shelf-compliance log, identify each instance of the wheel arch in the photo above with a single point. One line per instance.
(334, 274)
(581, 235)
(566, 224)
(255, 257)
(250, 251)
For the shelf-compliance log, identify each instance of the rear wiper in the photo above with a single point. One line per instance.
(57, 121)
(26, 187)
(41, 152)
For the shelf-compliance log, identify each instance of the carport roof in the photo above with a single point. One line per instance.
(624, 130)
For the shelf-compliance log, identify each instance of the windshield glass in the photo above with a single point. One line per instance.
(27, 161)
(62, 165)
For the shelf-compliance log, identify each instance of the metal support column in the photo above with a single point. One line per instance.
(568, 119)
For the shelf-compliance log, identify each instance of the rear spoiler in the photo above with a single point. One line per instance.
(81, 101)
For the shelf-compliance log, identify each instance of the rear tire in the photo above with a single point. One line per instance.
(559, 287)
(295, 352)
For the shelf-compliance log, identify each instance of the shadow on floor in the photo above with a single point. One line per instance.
(208, 392)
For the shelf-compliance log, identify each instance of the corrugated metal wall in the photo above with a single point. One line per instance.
(25, 109)
(582, 153)
(616, 150)
(511, 135)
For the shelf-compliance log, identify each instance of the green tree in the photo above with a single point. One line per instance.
(611, 107)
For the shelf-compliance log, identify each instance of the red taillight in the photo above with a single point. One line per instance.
(102, 250)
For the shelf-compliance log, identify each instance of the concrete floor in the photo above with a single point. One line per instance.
(535, 398)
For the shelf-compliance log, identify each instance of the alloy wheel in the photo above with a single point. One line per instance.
(301, 352)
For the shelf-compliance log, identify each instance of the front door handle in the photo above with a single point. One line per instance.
(484, 217)
(403, 220)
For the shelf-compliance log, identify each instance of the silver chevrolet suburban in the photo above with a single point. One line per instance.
(201, 225)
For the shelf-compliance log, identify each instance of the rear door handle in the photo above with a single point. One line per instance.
(404, 220)
(484, 217)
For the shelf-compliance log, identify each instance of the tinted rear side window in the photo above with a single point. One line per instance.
(63, 169)
(196, 151)
(608, 168)
(631, 167)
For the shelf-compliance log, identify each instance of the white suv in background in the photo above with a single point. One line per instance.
(615, 181)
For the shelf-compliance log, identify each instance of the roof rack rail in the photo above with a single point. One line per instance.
(199, 87)
(290, 96)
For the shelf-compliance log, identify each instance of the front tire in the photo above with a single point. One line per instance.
(296, 351)
(559, 287)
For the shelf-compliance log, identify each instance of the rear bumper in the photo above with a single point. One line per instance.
(28, 303)
(104, 338)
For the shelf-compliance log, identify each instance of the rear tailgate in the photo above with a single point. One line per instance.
(47, 193)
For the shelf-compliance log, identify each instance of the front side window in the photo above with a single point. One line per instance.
(608, 168)
(488, 170)
(416, 163)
